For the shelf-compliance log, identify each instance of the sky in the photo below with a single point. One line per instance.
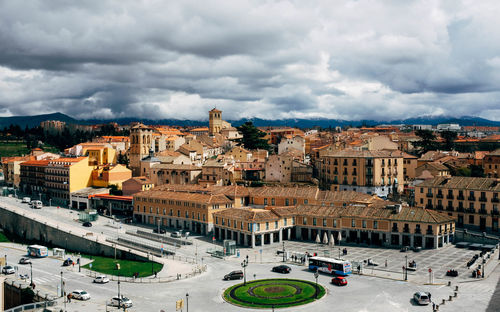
(353, 60)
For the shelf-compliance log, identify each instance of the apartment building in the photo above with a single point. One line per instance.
(390, 225)
(491, 164)
(66, 175)
(370, 172)
(181, 209)
(472, 201)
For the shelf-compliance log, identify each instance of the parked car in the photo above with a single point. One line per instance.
(176, 234)
(101, 279)
(26, 200)
(8, 269)
(233, 275)
(80, 295)
(417, 249)
(87, 224)
(121, 302)
(159, 231)
(282, 269)
(422, 298)
(24, 260)
(68, 262)
(36, 204)
(339, 281)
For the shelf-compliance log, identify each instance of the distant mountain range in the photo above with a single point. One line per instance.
(33, 121)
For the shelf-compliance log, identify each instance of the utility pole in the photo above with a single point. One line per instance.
(244, 264)
(406, 267)
(283, 251)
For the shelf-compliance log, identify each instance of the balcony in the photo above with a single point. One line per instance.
(449, 196)
(471, 198)
(460, 209)
(439, 207)
(449, 208)
(483, 211)
(429, 195)
(418, 231)
(483, 199)
(406, 230)
(470, 210)
(495, 212)
(460, 197)
(439, 195)
(394, 229)
(429, 232)
(495, 200)
(429, 206)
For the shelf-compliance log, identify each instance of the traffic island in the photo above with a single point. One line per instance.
(277, 293)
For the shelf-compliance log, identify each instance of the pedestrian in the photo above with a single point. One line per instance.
(433, 306)
(156, 273)
(69, 298)
(386, 263)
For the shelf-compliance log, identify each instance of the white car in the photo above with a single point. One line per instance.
(176, 234)
(80, 295)
(36, 204)
(8, 270)
(24, 260)
(121, 302)
(26, 200)
(422, 298)
(101, 279)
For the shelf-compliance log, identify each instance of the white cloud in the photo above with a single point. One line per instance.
(360, 59)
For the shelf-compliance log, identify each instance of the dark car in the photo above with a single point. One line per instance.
(68, 262)
(233, 275)
(160, 231)
(87, 224)
(339, 281)
(24, 260)
(282, 269)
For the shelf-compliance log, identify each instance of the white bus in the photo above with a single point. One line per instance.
(38, 251)
(330, 266)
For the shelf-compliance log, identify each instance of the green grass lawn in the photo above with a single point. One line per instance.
(278, 292)
(3, 238)
(127, 267)
(9, 149)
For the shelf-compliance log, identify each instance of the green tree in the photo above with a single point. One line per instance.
(449, 139)
(427, 141)
(252, 137)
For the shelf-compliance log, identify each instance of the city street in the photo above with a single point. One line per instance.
(372, 291)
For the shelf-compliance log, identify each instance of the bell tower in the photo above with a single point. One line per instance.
(214, 121)
(141, 141)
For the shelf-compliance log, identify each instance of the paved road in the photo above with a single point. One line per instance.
(364, 293)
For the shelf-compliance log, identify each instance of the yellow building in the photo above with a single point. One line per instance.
(66, 175)
(106, 175)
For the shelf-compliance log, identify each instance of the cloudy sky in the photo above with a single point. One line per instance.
(353, 60)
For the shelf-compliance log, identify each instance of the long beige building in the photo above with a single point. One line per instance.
(472, 201)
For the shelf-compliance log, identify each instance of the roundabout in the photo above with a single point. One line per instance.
(278, 293)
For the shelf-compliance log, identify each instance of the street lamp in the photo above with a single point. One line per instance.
(244, 265)
(339, 252)
(187, 302)
(118, 289)
(31, 275)
(62, 284)
(40, 194)
(283, 251)
(316, 274)
(406, 267)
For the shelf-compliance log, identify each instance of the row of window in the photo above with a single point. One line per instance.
(194, 215)
(172, 202)
(287, 201)
(369, 162)
(227, 222)
(450, 194)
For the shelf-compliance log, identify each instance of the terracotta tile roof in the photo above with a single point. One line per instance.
(36, 163)
(142, 180)
(353, 153)
(479, 184)
(185, 196)
(495, 153)
(304, 192)
(176, 167)
(247, 214)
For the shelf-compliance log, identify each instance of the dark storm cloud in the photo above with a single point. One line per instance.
(163, 59)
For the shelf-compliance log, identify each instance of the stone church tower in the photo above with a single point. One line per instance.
(141, 141)
(214, 121)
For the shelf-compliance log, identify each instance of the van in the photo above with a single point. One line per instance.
(233, 275)
(36, 204)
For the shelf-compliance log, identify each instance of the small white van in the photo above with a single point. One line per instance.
(36, 204)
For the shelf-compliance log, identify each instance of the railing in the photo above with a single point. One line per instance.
(495, 212)
(460, 209)
(394, 229)
(418, 231)
(483, 199)
(429, 206)
(471, 198)
(439, 207)
(483, 211)
(406, 230)
(429, 232)
(439, 195)
(470, 210)
(460, 197)
(32, 306)
(450, 208)
(449, 196)
(151, 279)
(495, 200)
(429, 195)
